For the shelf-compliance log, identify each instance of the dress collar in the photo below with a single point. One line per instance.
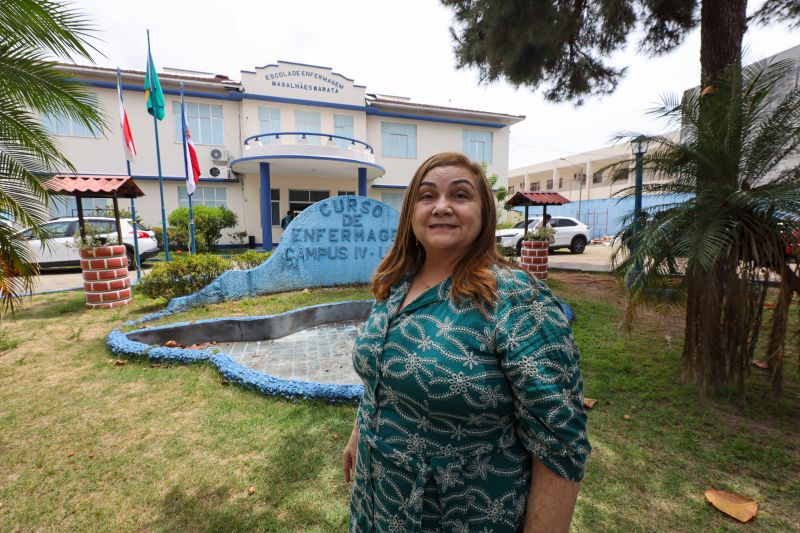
(398, 292)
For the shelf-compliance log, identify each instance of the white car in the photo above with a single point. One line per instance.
(569, 233)
(62, 249)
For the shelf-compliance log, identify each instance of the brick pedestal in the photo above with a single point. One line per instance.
(534, 258)
(105, 277)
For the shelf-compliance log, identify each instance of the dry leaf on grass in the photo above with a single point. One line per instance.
(70, 453)
(251, 490)
(120, 362)
(760, 364)
(224, 382)
(741, 508)
(335, 436)
(627, 417)
(200, 346)
(588, 403)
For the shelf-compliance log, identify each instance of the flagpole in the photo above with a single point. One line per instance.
(192, 245)
(158, 150)
(133, 205)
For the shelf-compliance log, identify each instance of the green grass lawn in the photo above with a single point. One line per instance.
(89, 445)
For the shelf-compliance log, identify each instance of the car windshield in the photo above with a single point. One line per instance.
(531, 222)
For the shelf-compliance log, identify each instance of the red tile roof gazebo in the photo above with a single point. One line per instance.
(95, 187)
(535, 199)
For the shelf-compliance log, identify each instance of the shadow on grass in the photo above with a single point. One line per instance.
(59, 306)
(286, 498)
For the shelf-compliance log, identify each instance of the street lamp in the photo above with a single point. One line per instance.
(639, 148)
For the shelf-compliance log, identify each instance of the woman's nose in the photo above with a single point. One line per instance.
(442, 206)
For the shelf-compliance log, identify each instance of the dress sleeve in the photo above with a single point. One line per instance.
(540, 360)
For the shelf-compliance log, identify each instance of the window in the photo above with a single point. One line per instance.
(205, 122)
(564, 223)
(343, 125)
(300, 199)
(308, 121)
(101, 227)
(54, 230)
(597, 178)
(275, 206)
(534, 186)
(393, 199)
(345, 193)
(269, 121)
(208, 196)
(65, 126)
(478, 145)
(549, 185)
(399, 140)
(560, 183)
(510, 190)
(69, 207)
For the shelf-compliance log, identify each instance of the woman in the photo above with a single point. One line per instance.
(472, 416)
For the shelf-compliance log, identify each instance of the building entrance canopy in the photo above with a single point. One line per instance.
(294, 154)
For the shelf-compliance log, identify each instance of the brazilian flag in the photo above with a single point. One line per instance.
(152, 91)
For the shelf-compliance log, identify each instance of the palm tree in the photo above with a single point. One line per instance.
(732, 199)
(32, 32)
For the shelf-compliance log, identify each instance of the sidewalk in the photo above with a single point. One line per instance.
(59, 279)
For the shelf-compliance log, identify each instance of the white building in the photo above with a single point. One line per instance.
(285, 136)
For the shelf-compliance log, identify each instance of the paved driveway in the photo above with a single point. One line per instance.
(596, 258)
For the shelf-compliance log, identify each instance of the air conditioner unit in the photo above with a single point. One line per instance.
(220, 155)
(219, 172)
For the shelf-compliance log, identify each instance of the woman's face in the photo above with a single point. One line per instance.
(447, 212)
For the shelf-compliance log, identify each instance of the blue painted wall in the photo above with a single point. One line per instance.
(338, 241)
(618, 209)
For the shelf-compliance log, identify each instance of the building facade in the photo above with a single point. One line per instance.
(283, 137)
(586, 181)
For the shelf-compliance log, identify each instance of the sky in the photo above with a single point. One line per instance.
(396, 48)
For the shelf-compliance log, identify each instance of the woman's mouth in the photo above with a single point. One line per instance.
(442, 226)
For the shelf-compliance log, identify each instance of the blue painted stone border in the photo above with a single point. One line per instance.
(119, 343)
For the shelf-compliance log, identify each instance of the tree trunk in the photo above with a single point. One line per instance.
(708, 334)
(722, 27)
(776, 349)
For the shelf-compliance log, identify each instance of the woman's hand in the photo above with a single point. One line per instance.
(349, 455)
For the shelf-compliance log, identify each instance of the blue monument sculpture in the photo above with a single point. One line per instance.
(338, 241)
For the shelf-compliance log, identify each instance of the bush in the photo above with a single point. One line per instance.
(250, 259)
(208, 223)
(183, 275)
(179, 239)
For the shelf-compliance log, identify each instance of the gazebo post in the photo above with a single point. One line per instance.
(81, 221)
(526, 221)
(116, 216)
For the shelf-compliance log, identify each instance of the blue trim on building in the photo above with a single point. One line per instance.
(304, 134)
(233, 96)
(362, 181)
(265, 200)
(377, 112)
(315, 157)
(182, 178)
(298, 101)
(387, 186)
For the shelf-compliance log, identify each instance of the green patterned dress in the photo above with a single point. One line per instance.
(456, 402)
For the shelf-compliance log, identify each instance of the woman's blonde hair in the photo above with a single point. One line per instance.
(472, 277)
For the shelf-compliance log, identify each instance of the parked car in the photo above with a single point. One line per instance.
(569, 233)
(62, 249)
